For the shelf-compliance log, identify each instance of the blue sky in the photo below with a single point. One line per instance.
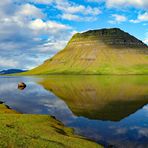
(33, 30)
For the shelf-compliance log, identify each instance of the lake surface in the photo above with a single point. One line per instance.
(111, 110)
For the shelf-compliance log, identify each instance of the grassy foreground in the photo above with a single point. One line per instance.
(37, 131)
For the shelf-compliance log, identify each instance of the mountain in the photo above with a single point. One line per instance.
(11, 71)
(105, 51)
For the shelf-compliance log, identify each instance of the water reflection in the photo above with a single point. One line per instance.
(107, 109)
(104, 98)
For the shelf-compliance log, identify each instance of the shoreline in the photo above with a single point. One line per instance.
(37, 130)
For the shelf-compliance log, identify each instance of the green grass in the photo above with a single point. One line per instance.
(76, 60)
(37, 131)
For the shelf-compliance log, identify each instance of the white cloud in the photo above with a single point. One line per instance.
(37, 24)
(53, 27)
(8, 62)
(76, 12)
(141, 18)
(126, 3)
(28, 10)
(70, 7)
(94, 1)
(25, 37)
(76, 8)
(54, 45)
(72, 10)
(42, 1)
(74, 17)
(123, 3)
(118, 18)
(4, 3)
(92, 11)
(70, 17)
(50, 45)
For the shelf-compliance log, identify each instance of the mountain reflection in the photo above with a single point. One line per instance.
(100, 97)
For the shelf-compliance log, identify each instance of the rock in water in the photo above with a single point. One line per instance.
(21, 85)
(104, 51)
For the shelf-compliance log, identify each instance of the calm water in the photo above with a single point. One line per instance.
(111, 110)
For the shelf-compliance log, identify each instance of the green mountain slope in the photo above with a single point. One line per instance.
(105, 51)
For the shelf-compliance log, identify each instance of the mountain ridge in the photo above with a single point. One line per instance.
(104, 51)
(12, 71)
(113, 36)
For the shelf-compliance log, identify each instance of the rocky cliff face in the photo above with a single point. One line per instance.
(112, 37)
(105, 51)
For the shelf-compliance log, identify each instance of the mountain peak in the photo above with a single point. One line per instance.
(109, 36)
(104, 31)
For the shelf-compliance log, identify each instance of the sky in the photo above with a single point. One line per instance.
(31, 31)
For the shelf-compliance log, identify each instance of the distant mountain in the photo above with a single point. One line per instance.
(105, 51)
(11, 71)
